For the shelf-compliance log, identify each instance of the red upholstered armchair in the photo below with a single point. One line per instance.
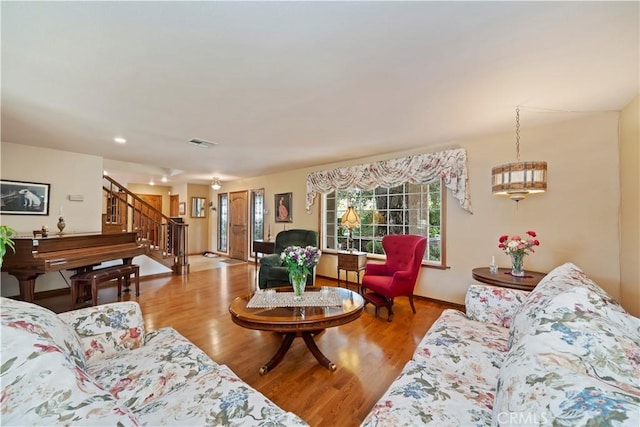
(381, 283)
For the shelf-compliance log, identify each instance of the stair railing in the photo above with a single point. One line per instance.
(163, 237)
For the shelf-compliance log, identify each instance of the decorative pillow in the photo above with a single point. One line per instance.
(559, 280)
(492, 304)
(45, 327)
(575, 367)
(107, 329)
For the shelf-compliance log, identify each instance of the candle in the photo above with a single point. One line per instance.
(493, 268)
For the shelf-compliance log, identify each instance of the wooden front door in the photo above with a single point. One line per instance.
(238, 227)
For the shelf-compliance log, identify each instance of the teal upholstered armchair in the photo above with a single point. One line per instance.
(273, 272)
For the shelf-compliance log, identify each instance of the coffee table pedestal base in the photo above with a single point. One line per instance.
(307, 336)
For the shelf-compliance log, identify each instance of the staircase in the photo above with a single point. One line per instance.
(165, 240)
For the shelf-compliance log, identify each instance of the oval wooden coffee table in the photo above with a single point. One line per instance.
(295, 322)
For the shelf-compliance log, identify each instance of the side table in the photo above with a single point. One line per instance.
(503, 278)
(351, 261)
(263, 247)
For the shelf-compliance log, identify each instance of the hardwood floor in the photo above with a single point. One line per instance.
(369, 352)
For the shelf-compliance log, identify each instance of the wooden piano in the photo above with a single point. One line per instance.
(34, 257)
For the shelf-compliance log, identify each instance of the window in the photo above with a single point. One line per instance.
(257, 214)
(223, 218)
(404, 209)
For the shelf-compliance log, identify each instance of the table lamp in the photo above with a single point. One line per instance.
(350, 219)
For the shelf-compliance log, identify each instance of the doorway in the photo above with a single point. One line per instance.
(238, 225)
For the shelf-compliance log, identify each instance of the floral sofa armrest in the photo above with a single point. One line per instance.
(107, 329)
(492, 304)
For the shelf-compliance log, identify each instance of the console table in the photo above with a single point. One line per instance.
(351, 261)
(262, 247)
(504, 279)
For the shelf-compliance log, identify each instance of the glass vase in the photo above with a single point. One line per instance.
(298, 280)
(517, 264)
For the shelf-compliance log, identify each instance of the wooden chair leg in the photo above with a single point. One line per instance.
(411, 302)
(119, 286)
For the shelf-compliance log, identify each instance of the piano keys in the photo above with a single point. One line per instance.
(36, 256)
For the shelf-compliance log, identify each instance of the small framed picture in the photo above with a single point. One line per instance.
(282, 211)
(24, 198)
(182, 208)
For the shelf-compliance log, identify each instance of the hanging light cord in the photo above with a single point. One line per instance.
(518, 134)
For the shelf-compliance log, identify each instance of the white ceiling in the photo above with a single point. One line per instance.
(285, 85)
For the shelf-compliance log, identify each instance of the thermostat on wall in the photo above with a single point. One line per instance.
(76, 197)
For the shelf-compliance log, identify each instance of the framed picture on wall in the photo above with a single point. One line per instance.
(24, 198)
(282, 203)
(182, 208)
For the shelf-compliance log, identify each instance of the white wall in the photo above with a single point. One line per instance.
(198, 231)
(576, 219)
(630, 207)
(61, 169)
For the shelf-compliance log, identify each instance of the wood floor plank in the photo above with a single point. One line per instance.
(369, 352)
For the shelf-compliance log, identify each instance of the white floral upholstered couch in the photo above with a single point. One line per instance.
(98, 366)
(565, 354)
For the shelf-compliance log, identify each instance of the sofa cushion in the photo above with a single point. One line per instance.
(464, 346)
(166, 362)
(42, 383)
(425, 394)
(451, 379)
(215, 397)
(577, 366)
(558, 281)
(45, 327)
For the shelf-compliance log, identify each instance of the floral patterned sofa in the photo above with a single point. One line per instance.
(564, 354)
(98, 366)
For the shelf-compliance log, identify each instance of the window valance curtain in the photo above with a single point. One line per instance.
(450, 165)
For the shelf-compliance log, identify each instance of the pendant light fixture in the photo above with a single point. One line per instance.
(215, 184)
(519, 179)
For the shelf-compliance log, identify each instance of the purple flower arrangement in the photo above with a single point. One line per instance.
(300, 259)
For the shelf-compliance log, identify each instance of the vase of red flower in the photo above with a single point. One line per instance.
(517, 247)
(517, 264)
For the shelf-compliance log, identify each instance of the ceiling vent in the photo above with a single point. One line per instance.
(201, 143)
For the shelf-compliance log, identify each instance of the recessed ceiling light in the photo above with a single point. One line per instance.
(119, 140)
(164, 179)
(152, 183)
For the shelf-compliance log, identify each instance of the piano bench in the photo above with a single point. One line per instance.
(95, 277)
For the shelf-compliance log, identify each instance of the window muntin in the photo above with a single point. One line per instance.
(257, 214)
(223, 221)
(404, 209)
